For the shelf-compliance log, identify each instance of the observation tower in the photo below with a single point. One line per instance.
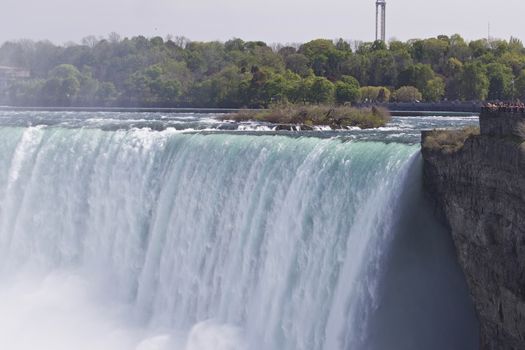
(381, 20)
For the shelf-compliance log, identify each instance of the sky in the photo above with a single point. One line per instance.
(272, 21)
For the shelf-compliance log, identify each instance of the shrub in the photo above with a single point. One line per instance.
(375, 94)
(407, 94)
(448, 141)
(345, 92)
(337, 117)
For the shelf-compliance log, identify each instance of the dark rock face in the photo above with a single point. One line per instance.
(480, 190)
(498, 123)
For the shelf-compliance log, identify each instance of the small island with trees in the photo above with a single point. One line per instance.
(306, 117)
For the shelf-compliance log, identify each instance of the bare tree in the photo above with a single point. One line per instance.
(90, 41)
(114, 37)
(181, 41)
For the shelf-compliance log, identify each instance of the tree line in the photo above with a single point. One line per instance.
(177, 72)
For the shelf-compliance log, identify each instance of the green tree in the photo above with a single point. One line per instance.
(275, 89)
(501, 82)
(454, 73)
(229, 88)
(474, 81)
(179, 72)
(382, 69)
(378, 45)
(343, 45)
(62, 86)
(357, 66)
(520, 86)
(513, 60)
(383, 94)
(299, 64)
(347, 90)
(26, 92)
(479, 48)
(374, 94)
(292, 86)
(318, 52)
(321, 90)
(458, 48)
(303, 89)
(106, 94)
(325, 59)
(434, 90)
(416, 75)
(432, 51)
(153, 86)
(287, 51)
(234, 45)
(407, 94)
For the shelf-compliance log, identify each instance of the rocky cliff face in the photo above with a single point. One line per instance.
(480, 190)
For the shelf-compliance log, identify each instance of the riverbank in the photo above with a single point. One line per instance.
(442, 106)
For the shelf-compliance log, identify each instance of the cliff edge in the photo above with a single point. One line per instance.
(477, 180)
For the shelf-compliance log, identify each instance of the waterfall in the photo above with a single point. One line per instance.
(162, 239)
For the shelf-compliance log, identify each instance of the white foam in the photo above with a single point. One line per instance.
(211, 335)
(150, 240)
(62, 310)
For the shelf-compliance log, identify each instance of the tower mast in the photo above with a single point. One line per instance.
(381, 20)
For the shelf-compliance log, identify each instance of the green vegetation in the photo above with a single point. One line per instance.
(176, 72)
(407, 94)
(448, 141)
(337, 117)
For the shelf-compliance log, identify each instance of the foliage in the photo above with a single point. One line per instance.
(337, 117)
(375, 94)
(434, 89)
(501, 82)
(416, 75)
(177, 72)
(520, 85)
(407, 94)
(347, 90)
(474, 81)
(448, 141)
(321, 90)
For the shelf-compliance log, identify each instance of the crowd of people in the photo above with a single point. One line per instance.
(514, 107)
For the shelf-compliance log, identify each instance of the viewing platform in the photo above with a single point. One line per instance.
(503, 120)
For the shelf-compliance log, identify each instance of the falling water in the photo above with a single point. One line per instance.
(140, 239)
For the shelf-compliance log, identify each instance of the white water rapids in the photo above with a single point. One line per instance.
(155, 240)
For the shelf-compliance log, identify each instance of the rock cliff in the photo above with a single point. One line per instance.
(478, 184)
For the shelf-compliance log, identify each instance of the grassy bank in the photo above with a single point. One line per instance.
(449, 141)
(337, 117)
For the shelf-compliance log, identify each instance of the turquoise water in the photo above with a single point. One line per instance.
(176, 234)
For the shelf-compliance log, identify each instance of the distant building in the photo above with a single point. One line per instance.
(10, 74)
